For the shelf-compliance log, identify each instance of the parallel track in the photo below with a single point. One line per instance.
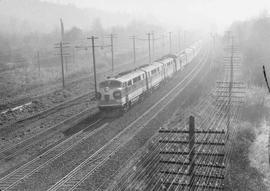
(41, 161)
(14, 149)
(14, 178)
(72, 180)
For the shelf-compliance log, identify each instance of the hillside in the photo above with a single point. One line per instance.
(34, 15)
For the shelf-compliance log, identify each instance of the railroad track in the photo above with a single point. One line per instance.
(143, 156)
(17, 177)
(7, 148)
(12, 150)
(44, 159)
(54, 108)
(8, 151)
(72, 180)
(27, 100)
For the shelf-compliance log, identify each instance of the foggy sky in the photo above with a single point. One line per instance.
(184, 13)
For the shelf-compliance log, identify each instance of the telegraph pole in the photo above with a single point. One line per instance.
(112, 52)
(149, 46)
(73, 56)
(134, 48)
(62, 45)
(38, 62)
(112, 36)
(94, 63)
(179, 41)
(267, 84)
(62, 64)
(170, 38)
(61, 53)
(163, 43)
(231, 82)
(153, 43)
(184, 38)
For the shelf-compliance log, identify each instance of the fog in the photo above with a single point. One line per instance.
(207, 15)
(203, 14)
(161, 60)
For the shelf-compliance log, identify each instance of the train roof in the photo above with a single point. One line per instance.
(129, 75)
(166, 60)
(151, 66)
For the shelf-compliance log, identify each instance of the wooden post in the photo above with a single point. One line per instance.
(192, 151)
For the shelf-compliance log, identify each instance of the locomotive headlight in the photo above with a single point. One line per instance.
(98, 95)
(117, 94)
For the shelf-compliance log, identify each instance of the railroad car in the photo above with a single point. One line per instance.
(121, 91)
(154, 75)
(170, 65)
(182, 57)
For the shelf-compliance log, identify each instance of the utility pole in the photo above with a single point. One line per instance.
(112, 53)
(179, 41)
(61, 52)
(134, 49)
(61, 47)
(163, 43)
(170, 38)
(214, 39)
(94, 63)
(62, 64)
(153, 43)
(266, 80)
(73, 56)
(112, 36)
(93, 46)
(149, 46)
(184, 38)
(230, 83)
(38, 62)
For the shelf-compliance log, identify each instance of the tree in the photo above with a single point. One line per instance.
(73, 34)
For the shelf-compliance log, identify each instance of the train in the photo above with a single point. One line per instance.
(120, 92)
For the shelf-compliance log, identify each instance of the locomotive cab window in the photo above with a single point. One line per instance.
(129, 83)
(110, 84)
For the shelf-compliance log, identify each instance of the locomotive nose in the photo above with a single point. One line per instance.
(98, 95)
(117, 94)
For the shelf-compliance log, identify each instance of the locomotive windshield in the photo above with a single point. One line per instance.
(110, 84)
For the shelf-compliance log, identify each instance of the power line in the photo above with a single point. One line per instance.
(149, 46)
(94, 61)
(170, 39)
(112, 36)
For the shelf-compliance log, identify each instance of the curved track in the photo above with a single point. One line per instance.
(41, 161)
(12, 150)
(77, 176)
(105, 149)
